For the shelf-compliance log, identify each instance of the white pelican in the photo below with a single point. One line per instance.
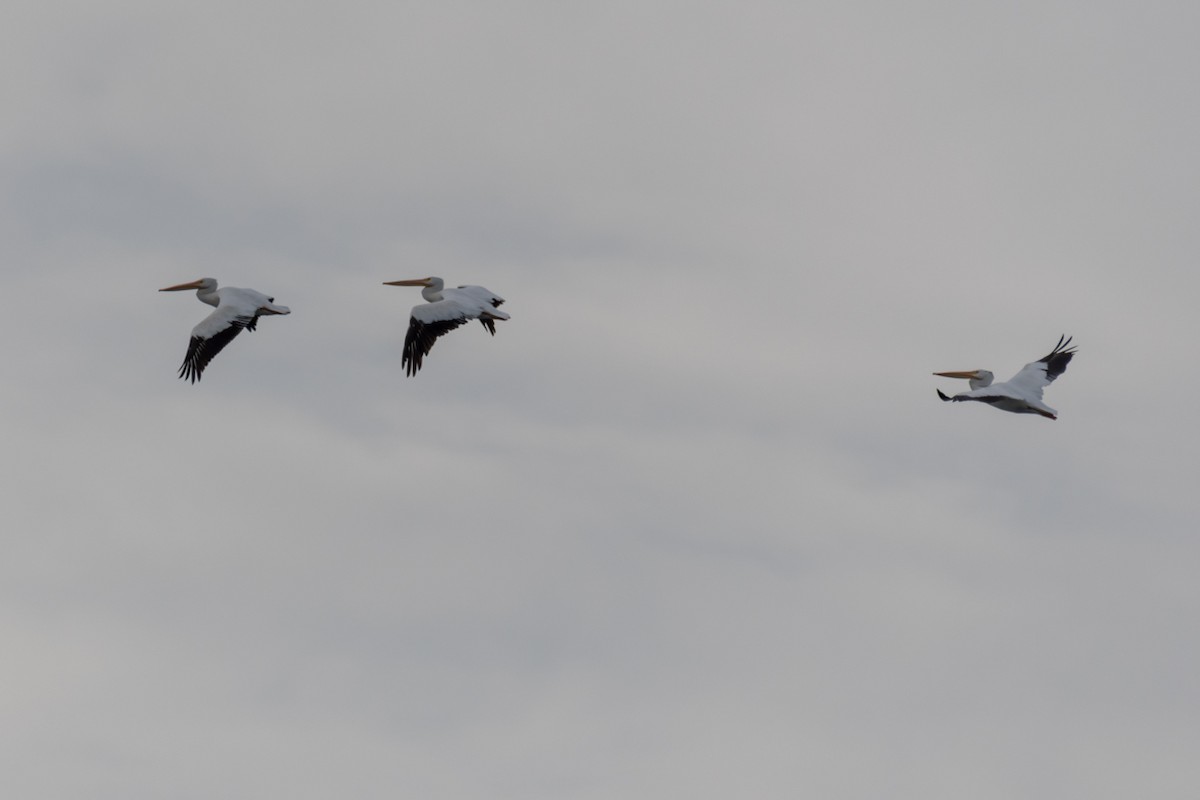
(444, 311)
(236, 309)
(1021, 394)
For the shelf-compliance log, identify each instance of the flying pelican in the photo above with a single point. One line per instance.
(236, 309)
(1021, 394)
(445, 310)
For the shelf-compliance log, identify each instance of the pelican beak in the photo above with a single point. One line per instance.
(412, 282)
(182, 287)
(969, 375)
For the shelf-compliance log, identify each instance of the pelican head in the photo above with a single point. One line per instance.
(978, 378)
(202, 285)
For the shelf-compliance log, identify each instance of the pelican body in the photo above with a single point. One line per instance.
(443, 311)
(1021, 394)
(237, 310)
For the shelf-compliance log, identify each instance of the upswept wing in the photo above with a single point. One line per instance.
(1036, 376)
(210, 337)
(429, 321)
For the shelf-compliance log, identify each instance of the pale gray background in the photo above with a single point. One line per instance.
(694, 523)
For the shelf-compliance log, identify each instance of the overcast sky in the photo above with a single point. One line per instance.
(693, 523)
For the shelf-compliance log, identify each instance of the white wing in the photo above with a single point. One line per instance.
(248, 301)
(484, 303)
(485, 296)
(223, 317)
(238, 310)
(1036, 376)
(210, 337)
(443, 311)
(430, 321)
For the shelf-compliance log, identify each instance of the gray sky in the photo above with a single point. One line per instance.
(693, 524)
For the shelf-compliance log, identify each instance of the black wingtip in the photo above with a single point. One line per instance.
(1056, 360)
(944, 397)
(1063, 347)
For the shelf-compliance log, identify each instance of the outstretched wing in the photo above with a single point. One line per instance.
(429, 321)
(210, 337)
(1035, 377)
